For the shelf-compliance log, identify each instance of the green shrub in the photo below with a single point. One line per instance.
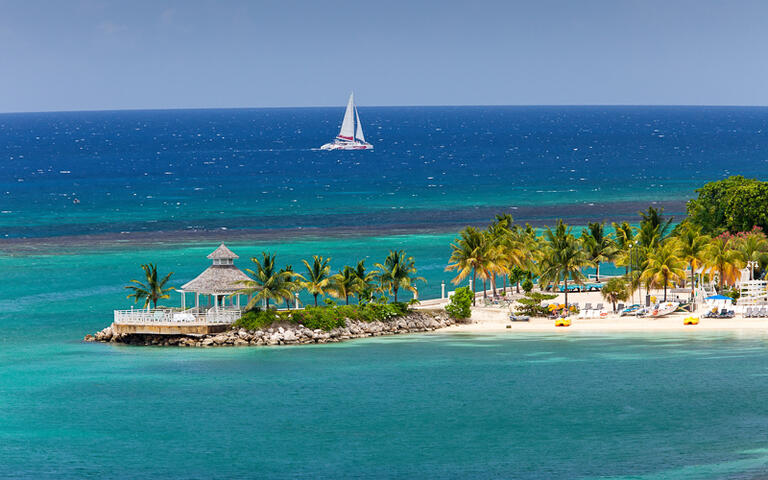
(258, 319)
(527, 285)
(323, 318)
(531, 304)
(461, 301)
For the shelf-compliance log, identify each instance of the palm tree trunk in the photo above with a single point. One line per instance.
(315, 298)
(693, 290)
(493, 284)
(394, 289)
(347, 299)
(484, 288)
(474, 293)
(665, 288)
(505, 284)
(565, 285)
(517, 286)
(597, 272)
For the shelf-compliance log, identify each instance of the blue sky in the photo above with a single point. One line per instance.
(97, 54)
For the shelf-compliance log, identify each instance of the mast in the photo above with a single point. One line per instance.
(348, 124)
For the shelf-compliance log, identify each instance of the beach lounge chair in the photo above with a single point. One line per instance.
(588, 306)
(619, 307)
(747, 312)
(599, 307)
(763, 312)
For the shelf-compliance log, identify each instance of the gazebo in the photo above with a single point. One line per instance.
(218, 282)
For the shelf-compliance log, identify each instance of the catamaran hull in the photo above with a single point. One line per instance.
(347, 146)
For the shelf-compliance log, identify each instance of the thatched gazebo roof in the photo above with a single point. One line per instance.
(221, 253)
(221, 278)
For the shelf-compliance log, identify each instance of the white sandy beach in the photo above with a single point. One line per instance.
(496, 320)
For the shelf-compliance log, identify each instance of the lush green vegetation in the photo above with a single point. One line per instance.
(324, 318)
(722, 234)
(396, 273)
(370, 287)
(461, 301)
(735, 204)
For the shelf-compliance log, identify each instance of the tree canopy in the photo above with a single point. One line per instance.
(735, 204)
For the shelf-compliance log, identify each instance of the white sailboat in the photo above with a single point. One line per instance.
(351, 135)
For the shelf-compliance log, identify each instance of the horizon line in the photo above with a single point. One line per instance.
(163, 109)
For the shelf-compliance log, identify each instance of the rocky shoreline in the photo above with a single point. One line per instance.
(284, 334)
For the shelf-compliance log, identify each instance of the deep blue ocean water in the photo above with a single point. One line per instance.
(87, 197)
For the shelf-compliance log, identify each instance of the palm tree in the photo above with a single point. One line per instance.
(598, 246)
(267, 283)
(753, 247)
(517, 275)
(366, 281)
(662, 266)
(498, 254)
(318, 279)
(345, 283)
(151, 291)
(513, 253)
(653, 229)
(468, 256)
(563, 257)
(293, 281)
(396, 272)
(723, 259)
(692, 248)
(615, 290)
(625, 238)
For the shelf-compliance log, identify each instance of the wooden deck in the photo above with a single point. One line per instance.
(174, 322)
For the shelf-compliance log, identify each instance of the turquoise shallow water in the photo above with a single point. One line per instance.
(437, 406)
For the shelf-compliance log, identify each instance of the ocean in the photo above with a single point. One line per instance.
(86, 197)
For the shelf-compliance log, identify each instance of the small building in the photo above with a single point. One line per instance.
(219, 282)
(216, 303)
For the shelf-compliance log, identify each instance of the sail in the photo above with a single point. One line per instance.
(359, 132)
(348, 125)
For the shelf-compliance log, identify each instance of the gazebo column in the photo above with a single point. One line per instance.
(238, 300)
(197, 300)
(183, 299)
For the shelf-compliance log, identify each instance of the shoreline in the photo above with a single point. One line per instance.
(284, 333)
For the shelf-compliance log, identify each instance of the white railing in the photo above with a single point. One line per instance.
(193, 316)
